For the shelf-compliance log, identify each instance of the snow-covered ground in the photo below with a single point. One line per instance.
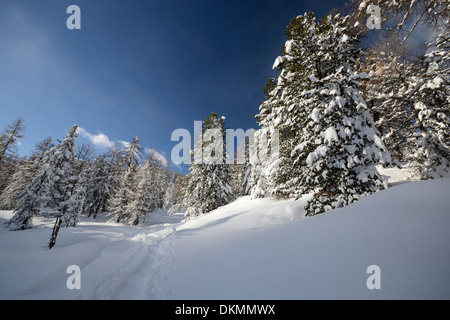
(258, 249)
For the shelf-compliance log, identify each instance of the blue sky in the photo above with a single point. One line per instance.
(138, 67)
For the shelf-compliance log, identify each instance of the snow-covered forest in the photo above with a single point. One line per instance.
(339, 109)
(348, 103)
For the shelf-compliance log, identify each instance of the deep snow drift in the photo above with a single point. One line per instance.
(258, 249)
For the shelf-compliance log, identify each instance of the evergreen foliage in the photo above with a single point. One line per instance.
(328, 142)
(208, 187)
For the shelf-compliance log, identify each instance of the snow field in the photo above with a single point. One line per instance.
(326, 257)
(248, 249)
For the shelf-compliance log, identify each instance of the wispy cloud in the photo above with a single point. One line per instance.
(99, 140)
(125, 144)
(157, 156)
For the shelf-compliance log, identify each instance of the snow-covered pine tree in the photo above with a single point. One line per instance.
(25, 173)
(431, 110)
(50, 192)
(80, 197)
(82, 168)
(208, 186)
(169, 195)
(241, 169)
(65, 179)
(124, 193)
(195, 195)
(100, 181)
(116, 167)
(29, 206)
(339, 145)
(259, 176)
(325, 119)
(160, 176)
(258, 179)
(146, 197)
(280, 110)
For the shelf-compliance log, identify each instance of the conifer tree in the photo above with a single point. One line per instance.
(145, 199)
(101, 180)
(331, 144)
(208, 186)
(124, 193)
(264, 173)
(431, 110)
(50, 192)
(26, 171)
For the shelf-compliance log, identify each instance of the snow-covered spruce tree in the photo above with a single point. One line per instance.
(258, 179)
(101, 179)
(241, 169)
(30, 202)
(280, 111)
(195, 195)
(92, 188)
(336, 145)
(170, 198)
(50, 192)
(80, 197)
(208, 187)
(124, 193)
(151, 184)
(27, 170)
(115, 165)
(144, 199)
(160, 176)
(264, 163)
(268, 169)
(82, 166)
(431, 110)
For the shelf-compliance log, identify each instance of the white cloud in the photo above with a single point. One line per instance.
(102, 141)
(125, 144)
(99, 140)
(158, 156)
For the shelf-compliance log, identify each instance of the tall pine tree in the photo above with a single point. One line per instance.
(50, 192)
(431, 110)
(125, 189)
(327, 136)
(209, 181)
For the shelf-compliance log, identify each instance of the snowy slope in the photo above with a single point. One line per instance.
(403, 230)
(258, 249)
